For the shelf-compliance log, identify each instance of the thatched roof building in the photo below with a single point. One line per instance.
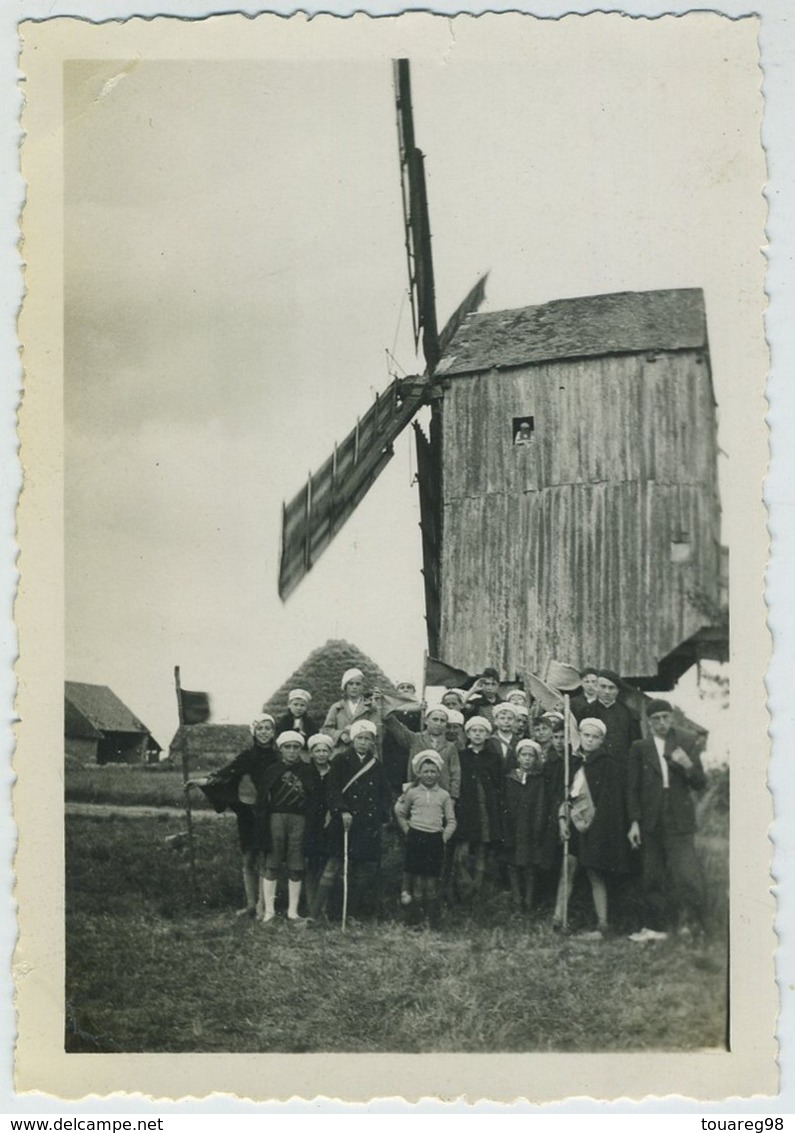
(320, 674)
(213, 745)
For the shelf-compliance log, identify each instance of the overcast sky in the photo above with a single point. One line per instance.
(235, 273)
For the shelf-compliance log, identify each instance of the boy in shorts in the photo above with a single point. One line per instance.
(290, 787)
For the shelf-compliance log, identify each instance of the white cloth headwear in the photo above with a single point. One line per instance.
(437, 708)
(362, 727)
(261, 719)
(594, 723)
(454, 717)
(528, 745)
(459, 692)
(517, 692)
(429, 756)
(521, 710)
(318, 739)
(504, 706)
(288, 738)
(351, 675)
(553, 716)
(299, 692)
(478, 720)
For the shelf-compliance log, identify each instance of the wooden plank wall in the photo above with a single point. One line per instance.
(563, 548)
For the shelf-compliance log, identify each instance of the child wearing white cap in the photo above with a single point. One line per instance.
(352, 706)
(455, 729)
(320, 747)
(297, 717)
(238, 787)
(358, 799)
(479, 807)
(433, 736)
(599, 824)
(426, 815)
(288, 801)
(524, 823)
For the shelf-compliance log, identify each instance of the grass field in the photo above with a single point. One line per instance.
(135, 784)
(147, 971)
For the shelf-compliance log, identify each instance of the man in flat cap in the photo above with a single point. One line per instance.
(664, 772)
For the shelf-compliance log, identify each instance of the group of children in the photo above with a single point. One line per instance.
(485, 792)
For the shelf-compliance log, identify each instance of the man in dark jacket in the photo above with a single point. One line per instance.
(664, 771)
(585, 702)
(622, 726)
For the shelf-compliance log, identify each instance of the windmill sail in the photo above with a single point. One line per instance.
(315, 515)
(417, 223)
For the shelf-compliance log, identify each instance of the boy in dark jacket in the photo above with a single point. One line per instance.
(287, 801)
(359, 801)
(297, 718)
(237, 787)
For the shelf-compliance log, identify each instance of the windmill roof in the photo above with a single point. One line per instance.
(625, 322)
(320, 674)
(100, 708)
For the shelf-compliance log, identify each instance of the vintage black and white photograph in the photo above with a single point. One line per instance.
(401, 445)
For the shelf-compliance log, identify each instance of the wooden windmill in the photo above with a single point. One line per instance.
(568, 483)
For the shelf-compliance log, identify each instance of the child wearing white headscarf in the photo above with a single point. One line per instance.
(238, 786)
(433, 736)
(426, 815)
(352, 706)
(524, 823)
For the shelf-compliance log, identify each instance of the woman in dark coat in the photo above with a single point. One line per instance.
(238, 787)
(598, 794)
(479, 806)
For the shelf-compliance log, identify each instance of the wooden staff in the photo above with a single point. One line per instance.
(344, 877)
(186, 791)
(566, 742)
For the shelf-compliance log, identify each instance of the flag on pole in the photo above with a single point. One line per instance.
(563, 677)
(439, 673)
(547, 698)
(398, 703)
(553, 701)
(194, 706)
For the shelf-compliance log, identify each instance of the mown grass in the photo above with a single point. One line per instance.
(148, 971)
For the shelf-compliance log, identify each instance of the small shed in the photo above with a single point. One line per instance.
(100, 728)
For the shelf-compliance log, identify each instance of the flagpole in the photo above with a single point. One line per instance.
(344, 877)
(566, 741)
(186, 790)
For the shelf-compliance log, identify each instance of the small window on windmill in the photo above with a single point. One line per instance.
(522, 431)
(681, 548)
